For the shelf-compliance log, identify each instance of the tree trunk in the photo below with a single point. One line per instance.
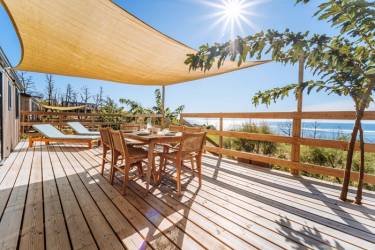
(358, 198)
(349, 157)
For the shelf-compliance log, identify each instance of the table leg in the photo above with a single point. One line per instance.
(149, 164)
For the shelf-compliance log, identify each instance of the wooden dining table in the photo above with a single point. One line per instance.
(152, 139)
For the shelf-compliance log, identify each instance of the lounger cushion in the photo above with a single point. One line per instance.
(81, 130)
(51, 132)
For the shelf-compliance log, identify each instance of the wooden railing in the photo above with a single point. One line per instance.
(295, 140)
(91, 120)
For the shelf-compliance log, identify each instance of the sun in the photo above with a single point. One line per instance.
(233, 9)
(233, 16)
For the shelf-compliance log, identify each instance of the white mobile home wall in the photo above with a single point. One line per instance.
(11, 87)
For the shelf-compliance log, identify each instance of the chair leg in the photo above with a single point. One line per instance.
(153, 170)
(31, 142)
(140, 169)
(126, 178)
(178, 176)
(161, 169)
(114, 159)
(112, 175)
(199, 167)
(103, 159)
(192, 165)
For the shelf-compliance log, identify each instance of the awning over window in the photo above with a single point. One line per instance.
(98, 39)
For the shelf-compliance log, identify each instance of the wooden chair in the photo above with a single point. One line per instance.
(191, 144)
(167, 147)
(106, 146)
(132, 157)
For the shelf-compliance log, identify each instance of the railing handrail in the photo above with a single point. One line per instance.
(318, 115)
(294, 140)
(42, 113)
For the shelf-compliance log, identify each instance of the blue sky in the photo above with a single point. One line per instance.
(188, 21)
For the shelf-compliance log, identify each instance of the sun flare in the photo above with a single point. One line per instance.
(233, 16)
(233, 9)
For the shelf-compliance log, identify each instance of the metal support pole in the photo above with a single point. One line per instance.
(163, 106)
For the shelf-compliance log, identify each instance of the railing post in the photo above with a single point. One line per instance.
(297, 121)
(221, 140)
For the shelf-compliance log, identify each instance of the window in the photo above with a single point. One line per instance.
(9, 95)
(17, 103)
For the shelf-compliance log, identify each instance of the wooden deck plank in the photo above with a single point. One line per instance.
(124, 230)
(355, 229)
(216, 225)
(238, 206)
(155, 205)
(288, 214)
(179, 237)
(324, 189)
(99, 227)
(245, 219)
(329, 228)
(56, 232)
(274, 236)
(332, 240)
(11, 175)
(305, 192)
(148, 231)
(32, 232)
(10, 160)
(291, 230)
(215, 230)
(79, 232)
(11, 220)
(279, 192)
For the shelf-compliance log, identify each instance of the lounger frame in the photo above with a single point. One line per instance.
(63, 140)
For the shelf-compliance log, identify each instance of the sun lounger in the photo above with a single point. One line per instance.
(51, 134)
(81, 130)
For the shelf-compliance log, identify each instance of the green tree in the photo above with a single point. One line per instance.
(137, 109)
(345, 62)
(114, 112)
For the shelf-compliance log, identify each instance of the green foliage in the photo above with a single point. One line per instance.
(267, 148)
(346, 62)
(110, 107)
(136, 108)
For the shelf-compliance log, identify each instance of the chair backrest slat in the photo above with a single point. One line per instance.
(118, 143)
(130, 127)
(176, 128)
(192, 142)
(105, 137)
(192, 129)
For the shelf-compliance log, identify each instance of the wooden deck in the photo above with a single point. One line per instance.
(53, 197)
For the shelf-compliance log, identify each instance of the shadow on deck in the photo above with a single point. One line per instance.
(54, 196)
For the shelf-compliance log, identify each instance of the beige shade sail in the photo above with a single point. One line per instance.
(100, 40)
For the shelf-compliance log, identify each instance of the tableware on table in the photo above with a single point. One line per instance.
(143, 132)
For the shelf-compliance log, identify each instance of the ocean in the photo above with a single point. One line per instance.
(320, 129)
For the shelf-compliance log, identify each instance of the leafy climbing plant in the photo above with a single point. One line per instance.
(345, 62)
